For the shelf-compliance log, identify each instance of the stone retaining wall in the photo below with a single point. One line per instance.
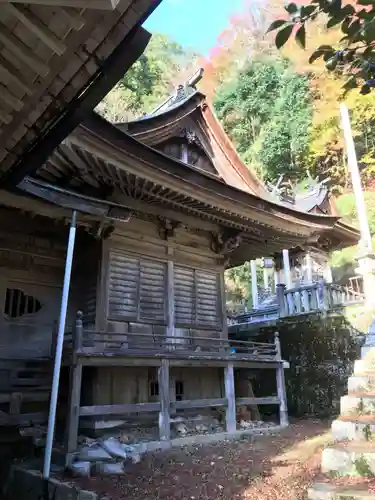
(25, 483)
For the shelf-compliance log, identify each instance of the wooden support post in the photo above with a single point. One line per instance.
(280, 293)
(286, 266)
(280, 383)
(165, 403)
(74, 394)
(309, 268)
(231, 398)
(328, 273)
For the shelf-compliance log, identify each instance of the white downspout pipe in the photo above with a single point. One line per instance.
(59, 349)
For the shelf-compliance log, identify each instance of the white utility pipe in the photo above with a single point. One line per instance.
(356, 180)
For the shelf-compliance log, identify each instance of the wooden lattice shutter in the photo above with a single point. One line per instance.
(208, 310)
(137, 288)
(152, 296)
(123, 285)
(184, 289)
(197, 298)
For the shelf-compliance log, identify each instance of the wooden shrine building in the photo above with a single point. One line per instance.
(164, 207)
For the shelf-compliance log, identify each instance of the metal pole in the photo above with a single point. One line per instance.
(254, 284)
(356, 180)
(59, 349)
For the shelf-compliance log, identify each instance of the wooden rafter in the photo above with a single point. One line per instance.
(110, 72)
(52, 54)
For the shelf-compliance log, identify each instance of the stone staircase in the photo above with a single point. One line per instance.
(349, 463)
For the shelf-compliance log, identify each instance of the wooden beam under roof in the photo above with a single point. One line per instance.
(79, 4)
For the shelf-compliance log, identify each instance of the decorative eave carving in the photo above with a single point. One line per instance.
(226, 242)
(167, 228)
(190, 136)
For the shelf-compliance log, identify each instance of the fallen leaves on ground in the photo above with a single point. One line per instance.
(276, 467)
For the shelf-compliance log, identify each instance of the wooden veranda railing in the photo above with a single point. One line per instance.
(304, 299)
(93, 343)
(315, 297)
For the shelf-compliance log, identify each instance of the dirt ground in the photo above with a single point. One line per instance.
(263, 467)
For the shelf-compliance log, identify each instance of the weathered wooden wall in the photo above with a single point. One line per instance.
(32, 261)
(129, 385)
(134, 282)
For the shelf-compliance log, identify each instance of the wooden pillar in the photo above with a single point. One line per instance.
(286, 266)
(231, 398)
(74, 402)
(280, 293)
(165, 402)
(254, 284)
(309, 268)
(280, 383)
(170, 300)
(328, 273)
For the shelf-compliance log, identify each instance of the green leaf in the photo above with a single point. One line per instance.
(366, 2)
(333, 22)
(283, 36)
(291, 8)
(301, 36)
(321, 51)
(276, 24)
(307, 10)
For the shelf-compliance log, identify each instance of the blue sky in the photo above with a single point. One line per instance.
(193, 23)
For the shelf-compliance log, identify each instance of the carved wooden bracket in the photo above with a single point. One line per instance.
(100, 230)
(167, 228)
(226, 242)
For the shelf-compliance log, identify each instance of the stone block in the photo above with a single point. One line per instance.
(326, 491)
(320, 492)
(108, 469)
(93, 454)
(351, 460)
(87, 495)
(80, 469)
(114, 448)
(65, 492)
(343, 430)
(357, 405)
(361, 383)
(364, 366)
(339, 461)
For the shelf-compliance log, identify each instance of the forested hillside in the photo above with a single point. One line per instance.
(280, 111)
(150, 80)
